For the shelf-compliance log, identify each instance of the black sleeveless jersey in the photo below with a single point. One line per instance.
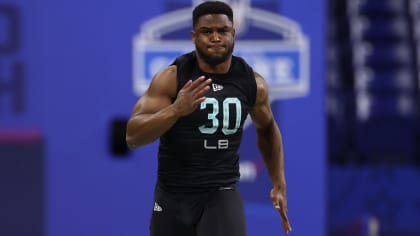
(200, 152)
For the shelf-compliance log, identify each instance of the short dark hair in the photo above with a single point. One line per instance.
(212, 7)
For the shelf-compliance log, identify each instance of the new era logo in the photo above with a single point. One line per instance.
(217, 87)
(157, 208)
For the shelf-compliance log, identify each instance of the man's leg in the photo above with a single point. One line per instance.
(223, 215)
(167, 219)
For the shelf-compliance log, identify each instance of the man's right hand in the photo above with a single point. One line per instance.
(191, 95)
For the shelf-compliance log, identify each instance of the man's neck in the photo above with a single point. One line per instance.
(221, 68)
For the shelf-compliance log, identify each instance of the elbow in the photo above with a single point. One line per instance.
(132, 138)
(138, 136)
(130, 142)
(134, 142)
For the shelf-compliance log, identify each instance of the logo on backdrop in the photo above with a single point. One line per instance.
(273, 45)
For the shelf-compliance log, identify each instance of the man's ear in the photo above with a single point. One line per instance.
(193, 35)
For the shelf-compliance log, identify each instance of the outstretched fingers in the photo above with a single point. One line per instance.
(284, 219)
(192, 85)
(191, 95)
(198, 88)
(279, 201)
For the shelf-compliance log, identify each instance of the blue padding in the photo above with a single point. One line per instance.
(392, 194)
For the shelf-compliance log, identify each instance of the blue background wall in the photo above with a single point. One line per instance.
(77, 78)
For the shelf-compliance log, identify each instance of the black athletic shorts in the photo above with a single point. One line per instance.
(216, 213)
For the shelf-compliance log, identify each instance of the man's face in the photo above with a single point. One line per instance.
(213, 37)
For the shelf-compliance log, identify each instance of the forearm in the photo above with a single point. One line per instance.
(271, 148)
(143, 129)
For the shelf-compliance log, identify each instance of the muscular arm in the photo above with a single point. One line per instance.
(270, 144)
(268, 135)
(160, 107)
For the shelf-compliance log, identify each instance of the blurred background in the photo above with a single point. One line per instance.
(373, 81)
(344, 77)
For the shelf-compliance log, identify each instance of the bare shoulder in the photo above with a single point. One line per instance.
(169, 71)
(262, 88)
(261, 111)
(160, 93)
(164, 82)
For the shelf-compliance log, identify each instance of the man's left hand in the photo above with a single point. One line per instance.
(279, 200)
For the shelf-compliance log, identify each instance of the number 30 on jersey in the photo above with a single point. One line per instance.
(215, 123)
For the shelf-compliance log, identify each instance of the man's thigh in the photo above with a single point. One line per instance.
(223, 215)
(168, 218)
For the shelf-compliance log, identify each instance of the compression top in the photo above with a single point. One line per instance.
(200, 152)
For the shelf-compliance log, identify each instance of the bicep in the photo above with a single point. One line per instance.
(160, 94)
(261, 112)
